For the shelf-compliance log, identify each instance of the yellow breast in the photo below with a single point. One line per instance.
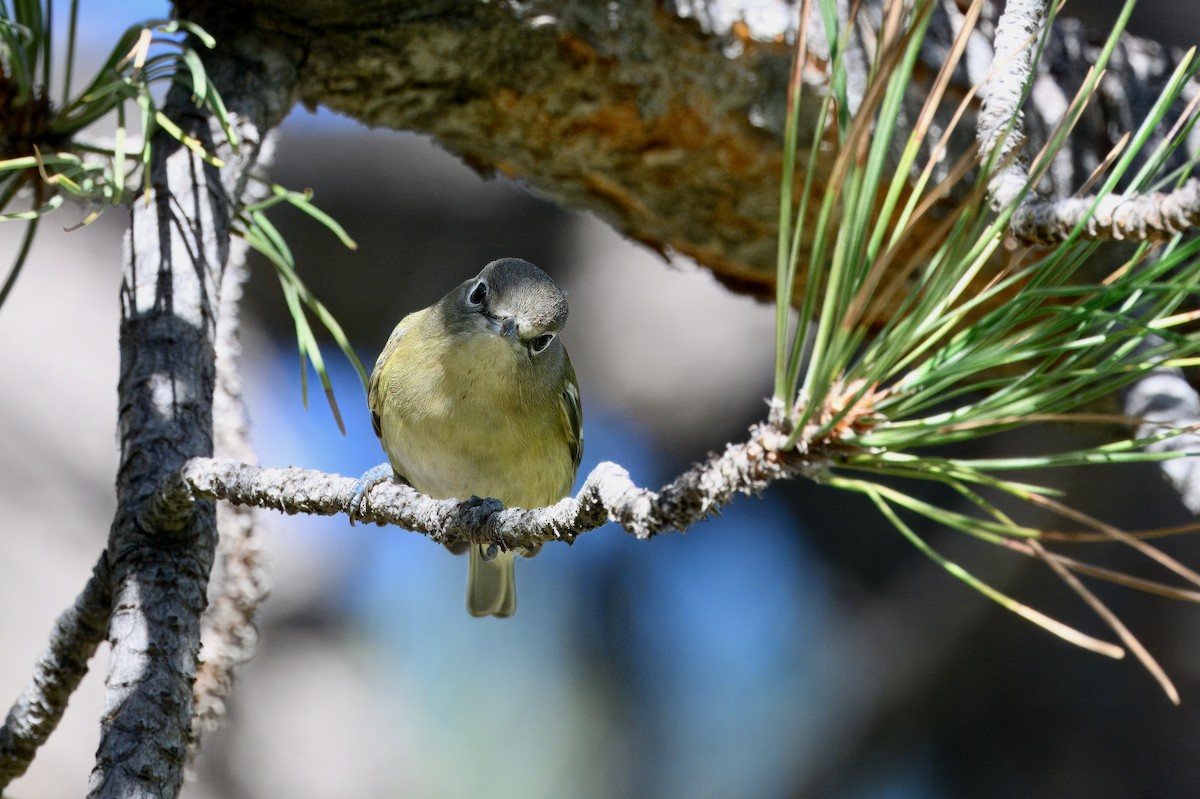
(458, 419)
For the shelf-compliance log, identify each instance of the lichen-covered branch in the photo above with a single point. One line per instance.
(1164, 399)
(56, 675)
(238, 583)
(1135, 217)
(667, 126)
(607, 495)
(1050, 220)
(1001, 118)
(160, 555)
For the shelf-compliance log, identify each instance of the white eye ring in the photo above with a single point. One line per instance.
(540, 343)
(478, 294)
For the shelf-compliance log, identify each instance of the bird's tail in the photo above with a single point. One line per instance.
(491, 585)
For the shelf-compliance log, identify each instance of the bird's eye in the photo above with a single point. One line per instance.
(478, 294)
(541, 342)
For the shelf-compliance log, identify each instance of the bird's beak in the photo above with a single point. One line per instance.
(505, 327)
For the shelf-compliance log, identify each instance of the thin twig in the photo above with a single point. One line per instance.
(1139, 217)
(607, 495)
(73, 641)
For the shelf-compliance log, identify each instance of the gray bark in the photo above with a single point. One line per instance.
(607, 495)
(73, 641)
(1001, 130)
(239, 582)
(160, 555)
(666, 126)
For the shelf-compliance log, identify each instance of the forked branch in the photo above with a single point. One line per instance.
(1133, 216)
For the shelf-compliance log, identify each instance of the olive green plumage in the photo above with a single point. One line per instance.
(475, 396)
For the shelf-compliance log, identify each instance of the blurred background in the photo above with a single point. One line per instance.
(794, 646)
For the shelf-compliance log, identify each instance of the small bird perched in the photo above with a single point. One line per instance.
(475, 396)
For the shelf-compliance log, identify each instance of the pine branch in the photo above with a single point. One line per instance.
(1134, 216)
(73, 641)
(1163, 397)
(161, 555)
(1137, 217)
(238, 583)
(585, 117)
(1165, 400)
(607, 495)
(1000, 124)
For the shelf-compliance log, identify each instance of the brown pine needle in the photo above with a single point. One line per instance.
(1110, 618)
(1069, 119)
(1186, 114)
(1149, 550)
(1103, 166)
(1110, 575)
(1087, 538)
(1068, 633)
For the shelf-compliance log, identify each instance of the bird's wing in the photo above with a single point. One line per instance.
(572, 411)
(374, 398)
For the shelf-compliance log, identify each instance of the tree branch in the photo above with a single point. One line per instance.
(663, 125)
(1138, 217)
(1165, 399)
(56, 675)
(239, 582)
(1000, 124)
(161, 555)
(1001, 136)
(607, 495)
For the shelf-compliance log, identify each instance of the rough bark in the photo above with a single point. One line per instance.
(665, 125)
(1139, 217)
(160, 555)
(607, 495)
(239, 582)
(73, 641)
(1001, 130)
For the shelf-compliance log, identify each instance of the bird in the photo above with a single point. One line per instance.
(475, 396)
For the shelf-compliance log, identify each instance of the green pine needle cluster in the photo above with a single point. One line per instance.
(45, 158)
(265, 238)
(1038, 342)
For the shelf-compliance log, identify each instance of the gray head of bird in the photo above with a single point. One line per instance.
(515, 300)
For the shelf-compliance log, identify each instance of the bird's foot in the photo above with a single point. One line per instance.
(480, 509)
(358, 505)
